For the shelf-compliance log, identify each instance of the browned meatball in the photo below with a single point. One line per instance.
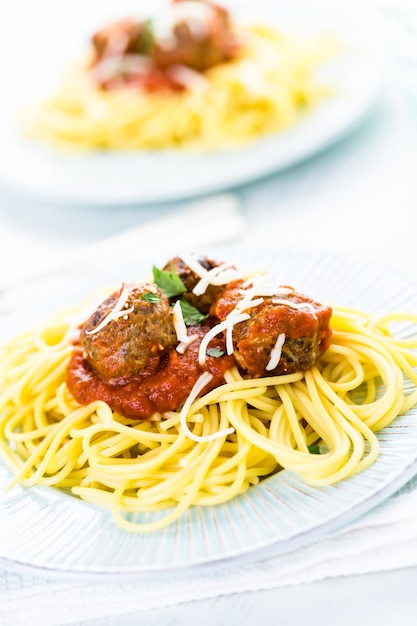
(118, 38)
(122, 58)
(200, 36)
(306, 329)
(133, 341)
(190, 279)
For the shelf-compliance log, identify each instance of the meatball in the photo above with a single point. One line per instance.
(199, 35)
(304, 322)
(118, 344)
(147, 55)
(118, 38)
(190, 279)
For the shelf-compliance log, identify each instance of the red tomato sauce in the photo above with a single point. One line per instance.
(147, 393)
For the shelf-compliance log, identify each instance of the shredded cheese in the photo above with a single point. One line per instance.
(283, 291)
(226, 276)
(193, 263)
(181, 329)
(246, 303)
(194, 81)
(109, 66)
(219, 275)
(119, 310)
(295, 305)
(202, 382)
(229, 339)
(229, 322)
(195, 14)
(257, 286)
(261, 285)
(276, 353)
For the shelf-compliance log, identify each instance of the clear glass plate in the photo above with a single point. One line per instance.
(44, 528)
(357, 75)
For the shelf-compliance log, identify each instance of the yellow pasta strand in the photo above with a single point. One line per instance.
(266, 90)
(362, 383)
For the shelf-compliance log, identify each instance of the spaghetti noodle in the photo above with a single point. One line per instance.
(268, 87)
(320, 423)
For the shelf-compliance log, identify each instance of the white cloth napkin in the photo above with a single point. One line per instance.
(190, 226)
(384, 539)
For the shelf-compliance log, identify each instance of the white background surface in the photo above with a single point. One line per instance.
(359, 197)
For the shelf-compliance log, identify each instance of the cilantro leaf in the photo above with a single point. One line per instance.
(314, 449)
(150, 297)
(190, 314)
(216, 352)
(169, 282)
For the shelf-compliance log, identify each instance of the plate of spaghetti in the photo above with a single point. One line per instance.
(201, 95)
(201, 411)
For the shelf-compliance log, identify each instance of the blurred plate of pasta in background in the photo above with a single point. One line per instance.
(338, 91)
(43, 527)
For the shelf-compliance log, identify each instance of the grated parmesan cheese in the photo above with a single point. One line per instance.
(283, 291)
(202, 382)
(196, 15)
(119, 310)
(226, 276)
(219, 275)
(181, 329)
(228, 323)
(109, 66)
(188, 77)
(276, 353)
(257, 286)
(194, 264)
(261, 285)
(296, 305)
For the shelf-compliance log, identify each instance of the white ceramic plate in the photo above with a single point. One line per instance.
(42, 528)
(147, 177)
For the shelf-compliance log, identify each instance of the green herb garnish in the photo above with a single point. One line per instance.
(190, 314)
(169, 282)
(216, 352)
(315, 449)
(150, 297)
(146, 41)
